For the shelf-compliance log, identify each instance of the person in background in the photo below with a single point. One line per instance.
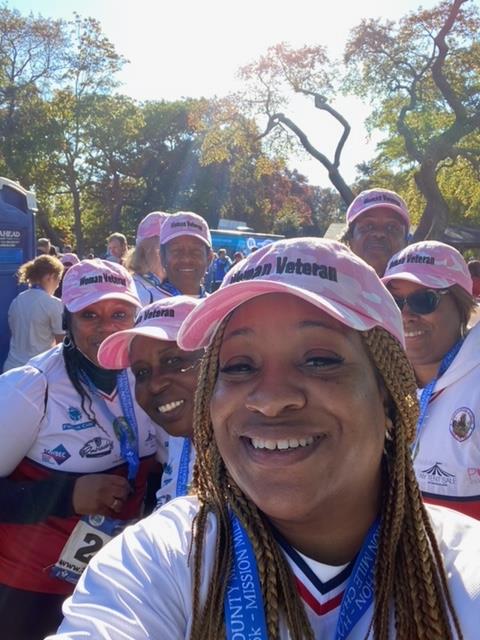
(117, 247)
(304, 520)
(67, 260)
(165, 382)
(432, 286)
(474, 268)
(237, 256)
(377, 227)
(76, 451)
(144, 260)
(43, 246)
(185, 252)
(35, 315)
(218, 268)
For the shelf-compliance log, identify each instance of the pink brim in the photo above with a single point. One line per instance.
(384, 205)
(114, 352)
(85, 301)
(201, 324)
(184, 233)
(426, 280)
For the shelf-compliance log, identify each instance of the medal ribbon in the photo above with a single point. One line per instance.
(128, 437)
(429, 389)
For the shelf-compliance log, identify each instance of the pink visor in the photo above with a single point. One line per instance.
(150, 226)
(323, 272)
(91, 281)
(185, 223)
(375, 198)
(69, 258)
(160, 320)
(431, 264)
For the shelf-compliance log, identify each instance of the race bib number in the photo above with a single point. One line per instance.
(89, 536)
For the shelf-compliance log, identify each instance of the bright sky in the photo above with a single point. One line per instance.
(193, 48)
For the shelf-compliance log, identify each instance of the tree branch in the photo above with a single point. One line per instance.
(437, 67)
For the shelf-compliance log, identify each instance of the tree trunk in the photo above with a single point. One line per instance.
(434, 219)
(44, 222)
(117, 202)
(77, 216)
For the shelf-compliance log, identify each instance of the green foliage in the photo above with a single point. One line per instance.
(422, 77)
(99, 161)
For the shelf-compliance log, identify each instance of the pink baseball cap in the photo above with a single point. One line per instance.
(90, 281)
(150, 226)
(185, 223)
(374, 198)
(69, 258)
(431, 264)
(323, 272)
(160, 320)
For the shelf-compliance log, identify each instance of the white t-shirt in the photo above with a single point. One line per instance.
(139, 587)
(42, 409)
(46, 431)
(35, 318)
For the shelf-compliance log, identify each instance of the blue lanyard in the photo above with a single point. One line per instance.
(128, 437)
(152, 279)
(169, 288)
(182, 480)
(428, 390)
(127, 434)
(243, 606)
(360, 589)
(36, 286)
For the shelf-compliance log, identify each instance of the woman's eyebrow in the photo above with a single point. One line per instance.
(304, 324)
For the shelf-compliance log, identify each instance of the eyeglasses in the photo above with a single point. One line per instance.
(421, 302)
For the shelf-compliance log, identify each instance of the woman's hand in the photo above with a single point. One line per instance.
(100, 493)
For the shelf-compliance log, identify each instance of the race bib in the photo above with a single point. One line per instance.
(89, 536)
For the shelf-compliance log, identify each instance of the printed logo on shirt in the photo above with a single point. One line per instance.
(150, 440)
(58, 455)
(162, 500)
(473, 474)
(96, 448)
(74, 414)
(462, 424)
(68, 426)
(436, 476)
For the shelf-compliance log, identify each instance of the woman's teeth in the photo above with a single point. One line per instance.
(291, 443)
(413, 334)
(170, 406)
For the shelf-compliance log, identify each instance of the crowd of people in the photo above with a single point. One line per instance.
(302, 421)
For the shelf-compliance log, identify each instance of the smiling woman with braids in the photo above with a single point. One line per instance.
(305, 520)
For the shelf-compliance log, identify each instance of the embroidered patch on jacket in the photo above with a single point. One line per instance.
(462, 424)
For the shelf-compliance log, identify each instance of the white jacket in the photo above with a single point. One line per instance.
(448, 461)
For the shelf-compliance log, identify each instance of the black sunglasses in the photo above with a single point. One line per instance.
(422, 302)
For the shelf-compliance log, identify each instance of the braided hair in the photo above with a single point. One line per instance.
(72, 359)
(410, 575)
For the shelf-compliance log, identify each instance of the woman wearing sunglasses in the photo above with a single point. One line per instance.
(431, 284)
